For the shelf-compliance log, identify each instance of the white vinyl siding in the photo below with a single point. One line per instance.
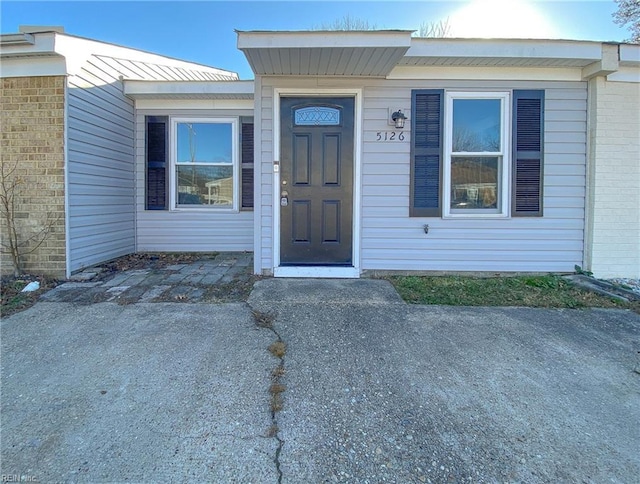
(100, 166)
(391, 240)
(187, 230)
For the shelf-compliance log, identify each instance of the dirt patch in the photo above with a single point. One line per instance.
(12, 299)
(147, 261)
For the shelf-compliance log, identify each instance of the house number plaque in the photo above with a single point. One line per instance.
(390, 136)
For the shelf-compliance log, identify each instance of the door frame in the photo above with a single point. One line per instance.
(318, 271)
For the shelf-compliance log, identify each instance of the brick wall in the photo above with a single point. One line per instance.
(32, 137)
(614, 179)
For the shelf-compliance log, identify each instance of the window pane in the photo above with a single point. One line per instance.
(205, 185)
(316, 116)
(474, 182)
(204, 143)
(476, 125)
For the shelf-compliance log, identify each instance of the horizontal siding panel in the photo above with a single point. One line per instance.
(383, 180)
(96, 176)
(99, 139)
(86, 256)
(578, 137)
(386, 169)
(194, 231)
(565, 116)
(498, 226)
(91, 123)
(561, 171)
(557, 127)
(76, 147)
(117, 115)
(473, 266)
(551, 147)
(100, 225)
(98, 241)
(371, 201)
(89, 209)
(473, 256)
(87, 219)
(482, 249)
(94, 165)
(99, 192)
(448, 233)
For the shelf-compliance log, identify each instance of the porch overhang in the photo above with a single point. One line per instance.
(324, 53)
(136, 89)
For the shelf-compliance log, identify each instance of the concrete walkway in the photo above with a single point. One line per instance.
(375, 390)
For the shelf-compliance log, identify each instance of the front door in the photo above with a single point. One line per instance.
(316, 181)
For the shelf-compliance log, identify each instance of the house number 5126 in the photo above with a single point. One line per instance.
(389, 136)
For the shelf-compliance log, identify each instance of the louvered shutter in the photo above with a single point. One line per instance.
(157, 133)
(528, 148)
(247, 164)
(426, 152)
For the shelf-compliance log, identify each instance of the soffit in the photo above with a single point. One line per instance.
(321, 53)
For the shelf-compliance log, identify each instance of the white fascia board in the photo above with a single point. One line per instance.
(630, 54)
(148, 89)
(507, 48)
(320, 39)
(33, 45)
(473, 73)
(195, 104)
(53, 65)
(625, 74)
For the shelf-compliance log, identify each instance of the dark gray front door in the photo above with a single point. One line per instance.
(316, 181)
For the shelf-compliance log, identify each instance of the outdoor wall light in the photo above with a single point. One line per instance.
(398, 118)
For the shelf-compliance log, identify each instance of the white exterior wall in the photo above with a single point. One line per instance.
(614, 178)
(391, 240)
(100, 171)
(187, 230)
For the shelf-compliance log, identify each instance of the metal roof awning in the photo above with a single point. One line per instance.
(323, 53)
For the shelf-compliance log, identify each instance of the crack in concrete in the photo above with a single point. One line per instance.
(278, 350)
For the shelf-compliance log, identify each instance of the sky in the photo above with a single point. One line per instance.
(204, 31)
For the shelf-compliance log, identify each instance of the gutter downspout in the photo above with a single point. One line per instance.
(67, 236)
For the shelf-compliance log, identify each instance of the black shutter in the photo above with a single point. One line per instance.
(157, 162)
(528, 148)
(426, 152)
(247, 164)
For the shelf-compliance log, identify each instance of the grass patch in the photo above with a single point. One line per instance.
(278, 349)
(549, 291)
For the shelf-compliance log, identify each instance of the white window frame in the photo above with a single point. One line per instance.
(503, 209)
(173, 155)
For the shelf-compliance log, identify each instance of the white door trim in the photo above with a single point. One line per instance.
(318, 271)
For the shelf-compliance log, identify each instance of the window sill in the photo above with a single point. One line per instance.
(475, 216)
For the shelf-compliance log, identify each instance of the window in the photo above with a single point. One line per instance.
(202, 163)
(476, 169)
(204, 169)
(476, 153)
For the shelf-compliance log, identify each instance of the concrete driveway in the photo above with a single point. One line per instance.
(376, 391)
